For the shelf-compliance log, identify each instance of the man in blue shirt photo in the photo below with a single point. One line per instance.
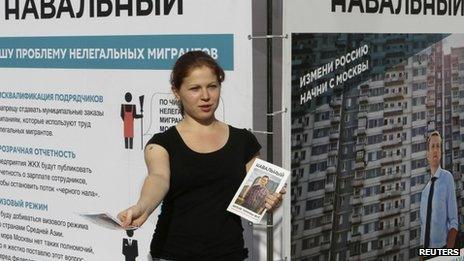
(438, 208)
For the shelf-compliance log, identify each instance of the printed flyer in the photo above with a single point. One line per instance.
(262, 179)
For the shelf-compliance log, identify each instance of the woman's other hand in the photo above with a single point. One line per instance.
(274, 200)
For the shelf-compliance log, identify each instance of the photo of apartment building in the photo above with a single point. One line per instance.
(359, 150)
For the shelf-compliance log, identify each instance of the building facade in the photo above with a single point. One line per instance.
(359, 151)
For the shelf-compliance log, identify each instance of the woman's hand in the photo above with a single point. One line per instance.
(274, 200)
(134, 216)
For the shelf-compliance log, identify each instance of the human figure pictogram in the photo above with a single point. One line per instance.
(128, 114)
(130, 247)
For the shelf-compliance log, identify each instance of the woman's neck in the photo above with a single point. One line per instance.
(194, 124)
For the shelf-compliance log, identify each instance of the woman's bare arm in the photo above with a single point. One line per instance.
(154, 189)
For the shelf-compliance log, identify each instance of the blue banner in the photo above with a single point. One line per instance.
(146, 52)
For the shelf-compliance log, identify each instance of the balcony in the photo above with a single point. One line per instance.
(336, 102)
(363, 98)
(328, 207)
(396, 110)
(331, 170)
(360, 131)
(324, 246)
(355, 219)
(327, 226)
(296, 145)
(356, 200)
(297, 127)
(360, 146)
(357, 182)
(329, 187)
(389, 213)
(393, 127)
(392, 143)
(393, 96)
(356, 237)
(335, 118)
(360, 165)
(390, 194)
(333, 153)
(390, 177)
(296, 162)
(390, 230)
(389, 249)
(334, 135)
(391, 160)
(456, 143)
(394, 82)
(362, 114)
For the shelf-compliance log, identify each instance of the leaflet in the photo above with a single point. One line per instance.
(262, 179)
(105, 220)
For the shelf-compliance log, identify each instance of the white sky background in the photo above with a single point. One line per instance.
(454, 40)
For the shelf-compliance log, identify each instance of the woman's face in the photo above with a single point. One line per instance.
(199, 93)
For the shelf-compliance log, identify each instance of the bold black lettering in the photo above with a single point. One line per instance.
(100, 11)
(457, 4)
(416, 10)
(430, 6)
(157, 7)
(398, 8)
(47, 5)
(180, 7)
(119, 7)
(65, 6)
(357, 3)
(372, 9)
(14, 10)
(442, 7)
(341, 3)
(147, 11)
(91, 8)
(30, 8)
(168, 4)
(386, 4)
(81, 10)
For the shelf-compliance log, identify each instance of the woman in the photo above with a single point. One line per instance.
(195, 168)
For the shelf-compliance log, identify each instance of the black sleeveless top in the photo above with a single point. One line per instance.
(194, 223)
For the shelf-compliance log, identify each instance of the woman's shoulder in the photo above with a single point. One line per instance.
(164, 137)
(239, 130)
(241, 133)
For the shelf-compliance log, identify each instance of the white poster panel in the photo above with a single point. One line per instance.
(69, 70)
(366, 82)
